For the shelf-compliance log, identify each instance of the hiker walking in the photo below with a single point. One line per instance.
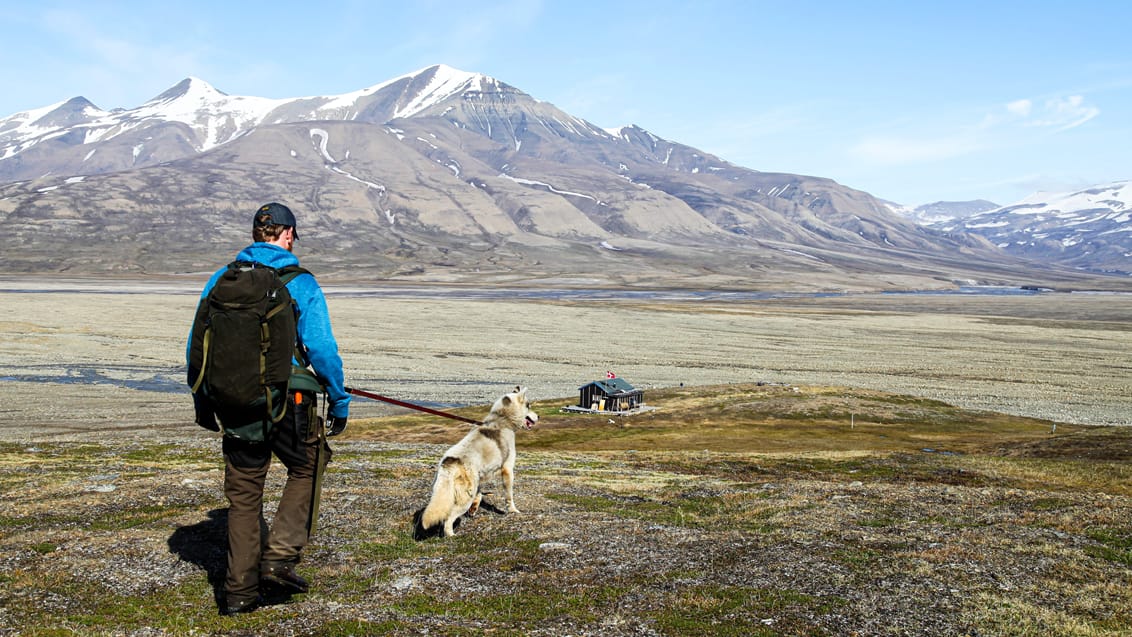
(260, 351)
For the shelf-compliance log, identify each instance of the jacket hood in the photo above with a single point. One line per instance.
(267, 254)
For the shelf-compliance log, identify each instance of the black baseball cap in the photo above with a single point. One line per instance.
(277, 214)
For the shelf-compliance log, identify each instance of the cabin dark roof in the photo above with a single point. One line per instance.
(611, 386)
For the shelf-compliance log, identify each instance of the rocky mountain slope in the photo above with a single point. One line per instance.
(448, 176)
(928, 214)
(1090, 229)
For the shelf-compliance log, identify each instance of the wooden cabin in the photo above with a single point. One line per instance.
(610, 394)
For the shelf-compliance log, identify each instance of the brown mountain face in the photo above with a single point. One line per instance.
(484, 186)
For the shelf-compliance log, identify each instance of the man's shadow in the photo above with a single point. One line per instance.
(206, 545)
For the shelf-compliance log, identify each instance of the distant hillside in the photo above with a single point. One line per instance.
(1090, 229)
(444, 175)
(928, 214)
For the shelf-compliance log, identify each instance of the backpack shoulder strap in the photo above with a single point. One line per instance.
(289, 272)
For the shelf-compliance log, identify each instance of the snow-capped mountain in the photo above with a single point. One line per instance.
(192, 117)
(1089, 229)
(940, 211)
(446, 175)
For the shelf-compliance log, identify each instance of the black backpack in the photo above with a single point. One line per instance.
(244, 336)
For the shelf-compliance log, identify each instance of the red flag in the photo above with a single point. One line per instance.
(610, 375)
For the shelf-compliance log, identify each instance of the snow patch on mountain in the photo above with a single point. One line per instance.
(531, 182)
(1115, 197)
(941, 211)
(323, 138)
(446, 82)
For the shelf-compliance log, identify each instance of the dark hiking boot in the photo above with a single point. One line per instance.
(284, 576)
(236, 607)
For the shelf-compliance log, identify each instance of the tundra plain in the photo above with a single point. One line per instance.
(866, 465)
(76, 363)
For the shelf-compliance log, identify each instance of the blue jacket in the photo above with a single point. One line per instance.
(315, 334)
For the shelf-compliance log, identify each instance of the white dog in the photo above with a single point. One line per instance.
(488, 449)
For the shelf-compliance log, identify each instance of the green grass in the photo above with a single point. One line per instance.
(739, 490)
(527, 608)
(354, 627)
(739, 611)
(741, 512)
(1115, 544)
(133, 517)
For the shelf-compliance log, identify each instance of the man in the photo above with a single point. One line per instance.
(296, 439)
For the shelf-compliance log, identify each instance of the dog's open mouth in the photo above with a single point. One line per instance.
(528, 422)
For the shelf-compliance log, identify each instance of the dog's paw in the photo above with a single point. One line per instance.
(512, 509)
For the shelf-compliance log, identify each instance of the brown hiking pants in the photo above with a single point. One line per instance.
(294, 440)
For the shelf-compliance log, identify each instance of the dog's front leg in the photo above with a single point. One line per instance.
(508, 473)
(475, 504)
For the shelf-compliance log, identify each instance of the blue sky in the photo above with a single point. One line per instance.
(911, 102)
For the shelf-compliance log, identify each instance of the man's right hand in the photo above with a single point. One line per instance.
(337, 425)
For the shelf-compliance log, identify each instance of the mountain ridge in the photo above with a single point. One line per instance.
(445, 175)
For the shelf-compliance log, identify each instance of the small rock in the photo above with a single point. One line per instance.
(553, 546)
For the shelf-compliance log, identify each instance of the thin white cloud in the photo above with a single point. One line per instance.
(119, 57)
(892, 150)
(1064, 113)
(1001, 127)
(1058, 113)
(785, 119)
(600, 92)
(468, 37)
(1041, 182)
(1020, 108)
(101, 48)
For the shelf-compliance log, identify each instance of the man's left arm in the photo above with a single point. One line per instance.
(317, 337)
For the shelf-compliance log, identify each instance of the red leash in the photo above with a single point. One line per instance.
(401, 403)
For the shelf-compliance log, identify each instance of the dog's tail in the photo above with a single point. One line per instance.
(429, 521)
